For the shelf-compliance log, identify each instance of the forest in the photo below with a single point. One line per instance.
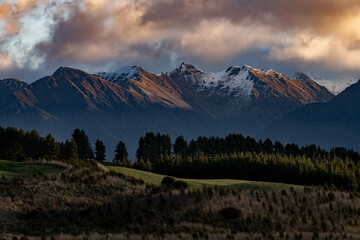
(230, 157)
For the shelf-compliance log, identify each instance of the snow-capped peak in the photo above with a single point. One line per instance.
(301, 77)
(234, 81)
(334, 86)
(128, 72)
(188, 69)
(234, 70)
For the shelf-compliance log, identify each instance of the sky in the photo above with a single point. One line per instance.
(321, 37)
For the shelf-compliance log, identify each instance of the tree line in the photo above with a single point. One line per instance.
(155, 146)
(18, 145)
(233, 156)
(239, 157)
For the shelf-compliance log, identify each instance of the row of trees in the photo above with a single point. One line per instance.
(238, 157)
(298, 169)
(154, 147)
(205, 157)
(17, 145)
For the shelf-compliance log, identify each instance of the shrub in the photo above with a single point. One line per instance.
(172, 183)
(331, 196)
(181, 185)
(168, 181)
(230, 213)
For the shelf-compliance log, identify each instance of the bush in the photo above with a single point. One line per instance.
(181, 185)
(172, 183)
(230, 213)
(331, 196)
(168, 181)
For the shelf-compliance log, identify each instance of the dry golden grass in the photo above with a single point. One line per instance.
(90, 203)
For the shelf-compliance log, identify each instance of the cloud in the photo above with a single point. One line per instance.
(158, 33)
(5, 61)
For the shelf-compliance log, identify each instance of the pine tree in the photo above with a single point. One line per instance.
(140, 152)
(17, 152)
(121, 154)
(193, 148)
(83, 144)
(151, 147)
(100, 151)
(181, 147)
(268, 146)
(166, 146)
(70, 150)
(279, 148)
(53, 148)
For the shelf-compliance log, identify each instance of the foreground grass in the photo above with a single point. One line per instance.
(11, 169)
(155, 179)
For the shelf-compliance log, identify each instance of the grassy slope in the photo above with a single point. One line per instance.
(11, 169)
(153, 178)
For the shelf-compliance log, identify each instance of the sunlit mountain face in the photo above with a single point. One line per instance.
(132, 101)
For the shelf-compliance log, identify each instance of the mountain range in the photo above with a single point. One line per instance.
(335, 123)
(125, 104)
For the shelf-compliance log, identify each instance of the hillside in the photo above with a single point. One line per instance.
(86, 201)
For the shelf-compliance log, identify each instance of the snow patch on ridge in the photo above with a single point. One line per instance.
(334, 86)
(234, 80)
(14, 84)
(128, 72)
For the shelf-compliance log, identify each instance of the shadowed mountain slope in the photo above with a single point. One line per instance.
(126, 104)
(336, 123)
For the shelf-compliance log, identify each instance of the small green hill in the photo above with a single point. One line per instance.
(155, 179)
(11, 169)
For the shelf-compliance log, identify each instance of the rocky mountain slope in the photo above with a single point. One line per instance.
(335, 86)
(336, 123)
(245, 97)
(125, 104)
(7, 86)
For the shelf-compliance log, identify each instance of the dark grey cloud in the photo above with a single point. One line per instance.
(320, 36)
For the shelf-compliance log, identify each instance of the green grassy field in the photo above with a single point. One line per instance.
(155, 179)
(11, 169)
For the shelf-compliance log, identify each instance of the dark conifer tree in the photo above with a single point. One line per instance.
(164, 145)
(250, 144)
(16, 152)
(292, 149)
(83, 144)
(341, 152)
(140, 152)
(180, 147)
(33, 144)
(70, 150)
(121, 154)
(53, 148)
(193, 148)
(268, 146)
(151, 147)
(279, 148)
(2, 143)
(100, 151)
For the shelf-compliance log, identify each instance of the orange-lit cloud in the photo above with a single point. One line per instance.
(98, 32)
